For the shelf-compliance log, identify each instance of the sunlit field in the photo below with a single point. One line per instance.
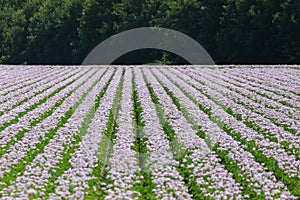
(149, 132)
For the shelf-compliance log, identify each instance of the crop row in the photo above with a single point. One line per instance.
(149, 133)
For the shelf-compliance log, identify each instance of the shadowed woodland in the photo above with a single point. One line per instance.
(232, 31)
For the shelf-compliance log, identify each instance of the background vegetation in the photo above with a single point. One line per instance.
(232, 31)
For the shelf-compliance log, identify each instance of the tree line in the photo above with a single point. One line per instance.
(232, 31)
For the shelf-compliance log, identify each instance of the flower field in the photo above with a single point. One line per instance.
(149, 132)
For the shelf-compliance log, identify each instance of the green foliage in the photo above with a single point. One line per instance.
(64, 32)
(140, 146)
